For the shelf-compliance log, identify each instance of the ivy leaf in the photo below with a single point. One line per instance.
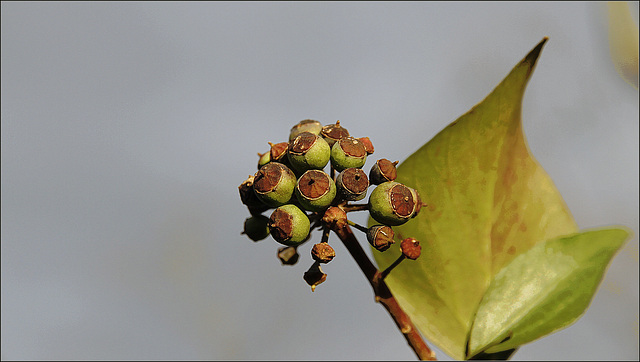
(542, 290)
(488, 201)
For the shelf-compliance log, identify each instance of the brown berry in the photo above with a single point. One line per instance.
(314, 276)
(368, 145)
(278, 151)
(410, 248)
(288, 255)
(335, 218)
(322, 253)
(380, 237)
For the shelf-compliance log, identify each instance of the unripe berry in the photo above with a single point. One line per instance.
(382, 171)
(419, 203)
(315, 190)
(306, 125)
(308, 151)
(256, 227)
(391, 203)
(334, 132)
(289, 225)
(263, 159)
(352, 184)
(274, 184)
(380, 237)
(348, 152)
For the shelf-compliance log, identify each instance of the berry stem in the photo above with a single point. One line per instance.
(359, 227)
(325, 234)
(383, 294)
(355, 207)
(390, 267)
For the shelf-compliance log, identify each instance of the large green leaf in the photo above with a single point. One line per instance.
(542, 290)
(488, 201)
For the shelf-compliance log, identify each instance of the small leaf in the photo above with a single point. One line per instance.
(488, 201)
(542, 290)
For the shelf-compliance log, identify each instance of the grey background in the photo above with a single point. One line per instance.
(127, 127)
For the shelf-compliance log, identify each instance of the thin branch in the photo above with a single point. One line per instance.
(383, 294)
(390, 267)
(355, 207)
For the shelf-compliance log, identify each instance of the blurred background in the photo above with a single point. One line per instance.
(127, 127)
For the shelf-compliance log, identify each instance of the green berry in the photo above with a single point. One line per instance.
(256, 227)
(315, 190)
(383, 171)
(274, 183)
(419, 203)
(263, 159)
(392, 203)
(348, 152)
(352, 184)
(307, 125)
(289, 225)
(308, 151)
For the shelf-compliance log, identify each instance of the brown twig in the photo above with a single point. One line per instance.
(383, 294)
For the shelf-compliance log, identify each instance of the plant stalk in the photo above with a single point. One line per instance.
(383, 294)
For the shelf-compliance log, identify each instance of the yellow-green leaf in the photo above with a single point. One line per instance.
(542, 290)
(488, 201)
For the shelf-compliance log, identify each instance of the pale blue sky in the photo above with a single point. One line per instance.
(127, 127)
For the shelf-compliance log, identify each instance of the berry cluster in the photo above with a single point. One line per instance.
(291, 180)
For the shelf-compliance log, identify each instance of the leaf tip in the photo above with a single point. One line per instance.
(533, 55)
